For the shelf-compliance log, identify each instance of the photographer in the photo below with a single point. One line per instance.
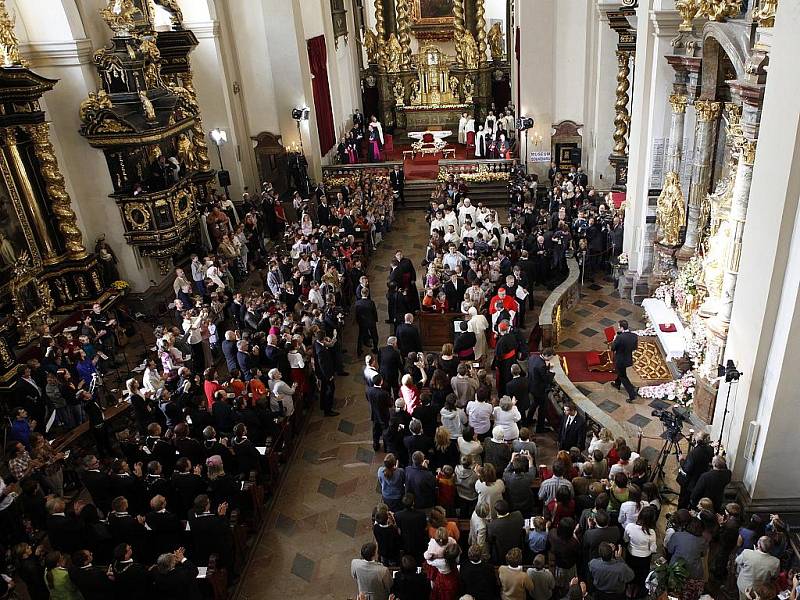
(697, 462)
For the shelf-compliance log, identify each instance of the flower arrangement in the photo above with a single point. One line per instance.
(685, 288)
(680, 391)
(665, 292)
(120, 285)
(623, 259)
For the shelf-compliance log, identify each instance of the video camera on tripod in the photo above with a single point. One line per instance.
(672, 421)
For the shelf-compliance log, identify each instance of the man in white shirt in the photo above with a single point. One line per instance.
(453, 258)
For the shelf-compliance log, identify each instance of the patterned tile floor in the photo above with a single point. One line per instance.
(321, 516)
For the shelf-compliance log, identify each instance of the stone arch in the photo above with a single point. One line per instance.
(721, 43)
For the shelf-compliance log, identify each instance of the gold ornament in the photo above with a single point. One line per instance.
(90, 108)
(147, 106)
(198, 135)
(469, 89)
(394, 54)
(380, 31)
(719, 10)
(119, 16)
(459, 28)
(56, 191)
(468, 49)
(480, 27)
(404, 32)
(186, 152)
(496, 41)
(766, 13)
(689, 11)
(621, 115)
(748, 150)
(137, 215)
(670, 211)
(399, 93)
(678, 102)
(707, 110)
(9, 44)
(371, 46)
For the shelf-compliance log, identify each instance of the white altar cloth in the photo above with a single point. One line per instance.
(437, 135)
(674, 344)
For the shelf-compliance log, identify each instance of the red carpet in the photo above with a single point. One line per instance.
(576, 363)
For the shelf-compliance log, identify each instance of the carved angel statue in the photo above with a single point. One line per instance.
(119, 15)
(414, 98)
(394, 54)
(371, 45)
(670, 211)
(714, 263)
(469, 89)
(186, 153)
(175, 12)
(147, 106)
(92, 105)
(452, 83)
(495, 36)
(470, 51)
(399, 92)
(9, 45)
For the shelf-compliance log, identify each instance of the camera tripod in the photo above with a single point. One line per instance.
(671, 447)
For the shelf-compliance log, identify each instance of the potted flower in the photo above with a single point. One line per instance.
(121, 287)
(669, 579)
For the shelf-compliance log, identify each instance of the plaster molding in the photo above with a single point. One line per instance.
(204, 29)
(67, 53)
(665, 22)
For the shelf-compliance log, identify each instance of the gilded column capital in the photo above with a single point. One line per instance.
(678, 102)
(749, 151)
(707, 110)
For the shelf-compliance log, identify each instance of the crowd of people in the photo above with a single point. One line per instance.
(250, 338)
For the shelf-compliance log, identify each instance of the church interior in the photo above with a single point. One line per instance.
(399, 299)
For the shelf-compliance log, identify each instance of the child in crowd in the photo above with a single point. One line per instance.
(446, 489)
(537, 537)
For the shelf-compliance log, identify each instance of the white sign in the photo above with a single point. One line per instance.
(541, 157)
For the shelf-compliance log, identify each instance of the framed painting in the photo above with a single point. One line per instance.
(432, 12)
(17, 244)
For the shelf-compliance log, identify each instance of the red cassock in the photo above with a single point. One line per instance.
(508, 303)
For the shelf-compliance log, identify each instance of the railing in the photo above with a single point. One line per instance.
(336, 175)
(560, 300)
(468, 167)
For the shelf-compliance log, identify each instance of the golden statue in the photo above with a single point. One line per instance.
(670, 211)
(371, 45)
(9, 45)
(467, 48)
(414, 99)
(469, 89)
(149, 111)
(453, 85)
(394, 54)
(399, 93)
(186, 153)
(496, 42)
(714, 264)
(175, 12)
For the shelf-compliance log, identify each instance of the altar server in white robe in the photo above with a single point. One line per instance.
(450, 218)
(491, 122)
(462, 128)
(509, 125)
(465, 210)
(480, 142)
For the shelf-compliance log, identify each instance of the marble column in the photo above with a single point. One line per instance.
(708, 113)
(676, 126)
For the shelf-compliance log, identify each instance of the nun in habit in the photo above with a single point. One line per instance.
(480, 142)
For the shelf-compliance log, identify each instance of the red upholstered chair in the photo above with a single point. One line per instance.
(428, 138)
(602, 361)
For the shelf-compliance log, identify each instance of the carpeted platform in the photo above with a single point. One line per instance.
(577, 371)
(649, 363)
(423, 167)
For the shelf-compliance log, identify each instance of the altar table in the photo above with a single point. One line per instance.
(674, 343)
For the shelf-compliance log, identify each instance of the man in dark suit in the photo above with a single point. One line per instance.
(540, 254)
(125, 527)
(573, 429)
(99, 484)
(238, 310)
(367, 320)
(326, 371)
(187, 485)
(244, 359)
(603, 530)
(92, 581)
(711, 484)
(379, 401)
(464, 343)
(166, 530)
(65, 532)
(623, 347)
(454, 291)
(421, 482)
(413, 528)
(390, 365)
(417, 439)
(175, 577)
(210, 533)
(539, 380)
(275, 357)
(397, 180)
(697, 462)
(518, 388)
(229, 350)
(131, 578)
(408, 338)
(504, 532)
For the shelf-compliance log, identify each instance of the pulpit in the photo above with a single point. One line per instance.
(437, 329)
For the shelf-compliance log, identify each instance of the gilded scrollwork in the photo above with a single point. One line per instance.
(91, 108)
(119, 15)
(137, 215)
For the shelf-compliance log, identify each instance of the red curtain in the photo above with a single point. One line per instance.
(318, 59)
